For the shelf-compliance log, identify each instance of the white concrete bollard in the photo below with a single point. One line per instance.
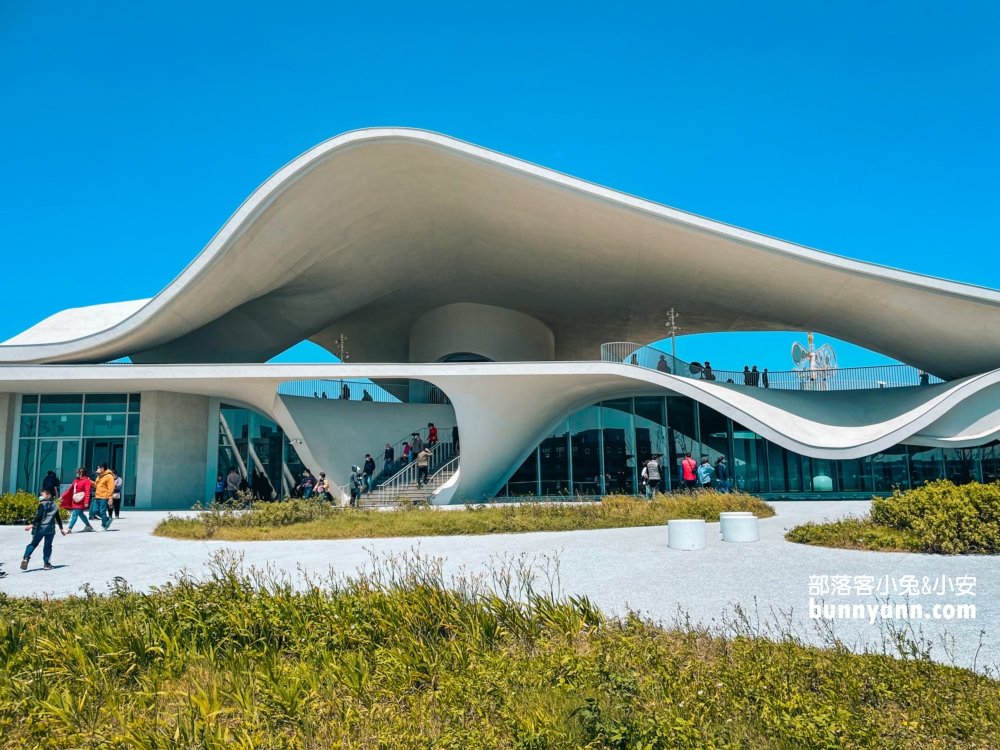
(739, 528)
(686, 534)
(731, 514)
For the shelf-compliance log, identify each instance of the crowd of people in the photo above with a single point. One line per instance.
(692, 475)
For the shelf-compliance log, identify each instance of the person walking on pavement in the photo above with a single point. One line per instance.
(232, 483)
(103, 494)
(368, 471)
(722, 473)
(51, 483)
(43, 529)
(651, 473)
(423, 463)
(116, 496)
(705, 474)
(77, 499)
(689, 471)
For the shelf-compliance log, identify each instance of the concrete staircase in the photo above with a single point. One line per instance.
(403, 487)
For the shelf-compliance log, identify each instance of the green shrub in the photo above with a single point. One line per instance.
(19, 508)
(937, 517)
(943, 517)
(404, 658)
(852, 533)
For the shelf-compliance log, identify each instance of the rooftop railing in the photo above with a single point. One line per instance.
(365, 390)
(840, 379)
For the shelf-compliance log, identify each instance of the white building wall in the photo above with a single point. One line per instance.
(173, 439)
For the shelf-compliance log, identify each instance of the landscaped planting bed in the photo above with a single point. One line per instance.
(302, 519)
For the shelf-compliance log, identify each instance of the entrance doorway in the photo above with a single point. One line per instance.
(110, 451)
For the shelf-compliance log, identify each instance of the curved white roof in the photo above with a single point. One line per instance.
(370, 230)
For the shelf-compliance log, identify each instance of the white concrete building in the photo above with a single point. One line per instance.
(479, 291)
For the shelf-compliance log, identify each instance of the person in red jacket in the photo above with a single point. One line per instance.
(77, 499)
(689, 467)
(432, 435)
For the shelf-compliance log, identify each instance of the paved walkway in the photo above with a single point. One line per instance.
(617, 568)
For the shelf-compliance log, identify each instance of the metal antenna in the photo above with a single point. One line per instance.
(673, 328)
(341, 348)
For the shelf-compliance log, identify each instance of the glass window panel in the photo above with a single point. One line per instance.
(680, 416)
(854, 475)
(818, 474)
(48, 455)
(69, 461)
(234, 431)
(26, 466)
(793, 471)
(776, 468)
(748, 460)
(714, 432)
(131, 462)
(926, 464)
(61, 403)
(105, 402)
(586, 442)
(265, 446)
(619, 448)
(524, 481)
(133, 424)
(554, 462)
(56, 425)
(29, 425)
(991, 462)
(134, 401)
(102, 425)
(650, 432)
(889, 469)
(29, 404)
(962, 465)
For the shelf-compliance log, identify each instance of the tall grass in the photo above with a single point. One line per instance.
(403, 658)
(303, 519)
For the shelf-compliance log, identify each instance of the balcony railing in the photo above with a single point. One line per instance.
(365, 390)
(842, 379)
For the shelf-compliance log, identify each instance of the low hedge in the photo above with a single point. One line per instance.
(938, 517)
(19, 508)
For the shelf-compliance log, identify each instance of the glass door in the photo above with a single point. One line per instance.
(61, 457)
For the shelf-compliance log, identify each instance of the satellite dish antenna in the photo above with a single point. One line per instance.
(695, 368)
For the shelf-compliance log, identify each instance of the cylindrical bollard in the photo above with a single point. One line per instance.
(739, 529)
(730, 513)
(686, 534)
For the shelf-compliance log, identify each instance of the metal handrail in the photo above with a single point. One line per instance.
(398, 464)
(408, 474)
(841, 379)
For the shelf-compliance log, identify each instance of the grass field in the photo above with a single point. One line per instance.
(308, 520)
(402, 658)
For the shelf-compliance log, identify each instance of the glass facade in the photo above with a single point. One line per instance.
(62, 432)
(259, 450)
(601, 450)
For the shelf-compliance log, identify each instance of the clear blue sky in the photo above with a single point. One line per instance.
(129, 132)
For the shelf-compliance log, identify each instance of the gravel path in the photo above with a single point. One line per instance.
(617, 569)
